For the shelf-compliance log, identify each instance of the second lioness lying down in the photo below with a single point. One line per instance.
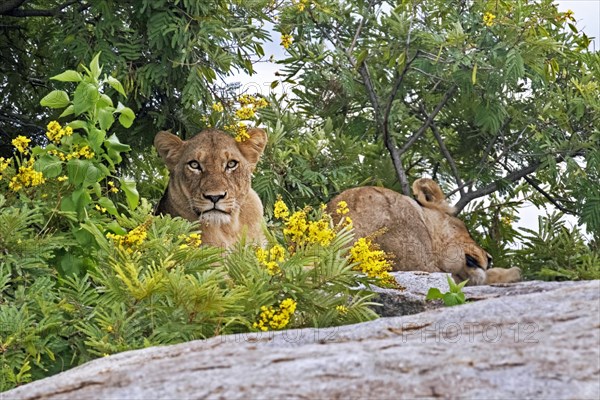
(422, 235)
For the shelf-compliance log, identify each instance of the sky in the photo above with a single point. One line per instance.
(586, 13)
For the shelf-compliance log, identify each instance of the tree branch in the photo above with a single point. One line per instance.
(9, 5)
(16, 12)
(447, 156)
(429, 120)
(511, 177)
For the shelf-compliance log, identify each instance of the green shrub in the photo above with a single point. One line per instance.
(88, 271)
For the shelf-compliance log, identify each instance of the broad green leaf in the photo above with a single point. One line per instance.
(433, 294)
(106, 118)
(78, 124)
(115, 84)
(107, 203)
(131, 193)
(68, 76)
(85, 97)
(95, 67)
(55, 99)
(126, 117)
(49, 165)
(67, 111)
(96, 138)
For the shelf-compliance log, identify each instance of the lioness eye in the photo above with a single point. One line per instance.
(194, 165)
(232, 164)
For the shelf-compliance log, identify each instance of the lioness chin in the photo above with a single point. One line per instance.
(422, 234)
(210, 182)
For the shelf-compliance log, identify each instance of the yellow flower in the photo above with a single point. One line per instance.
(276, 318)
(21, 143)
(370, 260)
(133, 238)
(271, 259)
(342, 208)
(245, 113)
(55, 132)
(280, 209)
(488, 19)
(112, 188)
(242, 133)
(101, 209)
(4, 163)
(296, 227)
(320, 232)
(26, 177)
(62, 178)
(218, 107)
(342, 309)
(191, 240)
(286, 41)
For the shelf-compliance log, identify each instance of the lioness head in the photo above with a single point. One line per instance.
(210, 176)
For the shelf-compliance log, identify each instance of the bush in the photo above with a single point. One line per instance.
(88, 271)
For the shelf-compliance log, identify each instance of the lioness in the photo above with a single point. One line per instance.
(209, 182)
(422, 234)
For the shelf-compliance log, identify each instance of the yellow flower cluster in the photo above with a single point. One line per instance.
(218, 107)
(286, 41)
(281, 210)
(4, 163)
(271, 258)
(112, 187)
(240, 130)
(62, 178)
(135, 237)
(26, 177)
(246, 100)
(245, 113)
(21, 143)
(101, 209)
(300, 230)
(371, 261)
(488, 19)
(191, 240)
(83, 152)
(276, 319)
(301, 4)
(342, 208)
(342, 309)
(55, 132)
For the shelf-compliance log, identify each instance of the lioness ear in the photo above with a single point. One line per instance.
(252, 148)
(169, 148)
(429, 194)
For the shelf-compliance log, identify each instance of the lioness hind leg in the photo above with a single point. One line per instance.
(502, 275)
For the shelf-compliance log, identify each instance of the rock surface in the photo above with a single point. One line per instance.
(513, 344)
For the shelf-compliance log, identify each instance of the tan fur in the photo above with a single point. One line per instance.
(218, 196)
(422, 237)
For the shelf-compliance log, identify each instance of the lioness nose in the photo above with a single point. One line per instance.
(215, 197)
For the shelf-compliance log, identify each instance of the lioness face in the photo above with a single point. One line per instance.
(211, 172)
(469, 261)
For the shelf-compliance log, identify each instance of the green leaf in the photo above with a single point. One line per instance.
(108, 204)
(433, 294)
(67, 111)
(85, 97)
(126, 117)
(78, 124)
(49, 165)
(131, 193)
(95, 66)
(96, 138)
(114, 148)
(115, 84)
(106, 118)
(474, 75)
(55, 99)
(68, 76)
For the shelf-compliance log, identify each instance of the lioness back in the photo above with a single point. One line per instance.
(210, 182)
